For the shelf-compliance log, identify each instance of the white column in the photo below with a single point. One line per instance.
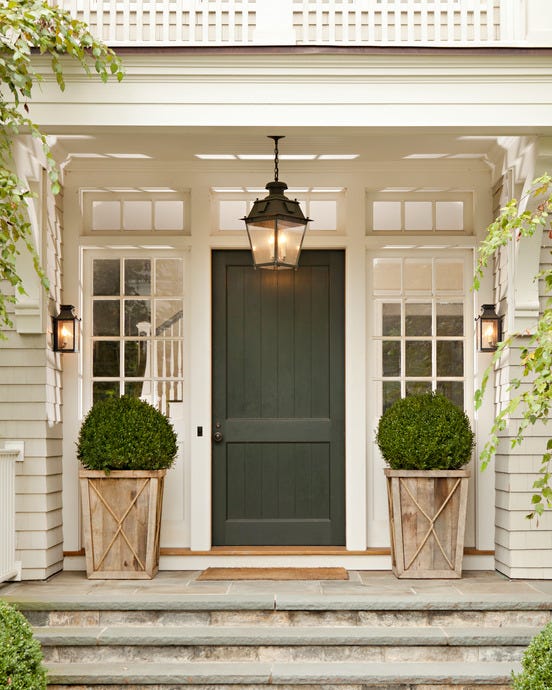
(274, 23)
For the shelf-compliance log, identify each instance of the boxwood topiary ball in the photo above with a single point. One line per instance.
(425, 432)
(20, 655)
(126, 434)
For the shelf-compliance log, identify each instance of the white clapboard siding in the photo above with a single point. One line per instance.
(302, 22)
(9, 567)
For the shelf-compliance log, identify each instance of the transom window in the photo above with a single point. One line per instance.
(135, 317)
(425, 213)
(419, 332)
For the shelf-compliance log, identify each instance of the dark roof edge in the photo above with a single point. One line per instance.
(334, 50)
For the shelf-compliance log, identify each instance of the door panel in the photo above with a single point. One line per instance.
(278, 396)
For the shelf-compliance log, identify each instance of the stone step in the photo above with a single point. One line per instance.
(289, 610)
(67, 644)
(350, 676)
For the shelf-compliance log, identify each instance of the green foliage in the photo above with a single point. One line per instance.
(535, 400)
(28, 26)
(536, 663)
(20, 654)
(126, 434)
(425, 432)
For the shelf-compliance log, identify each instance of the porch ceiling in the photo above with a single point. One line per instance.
(371, 144)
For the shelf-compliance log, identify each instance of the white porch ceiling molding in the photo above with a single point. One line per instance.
(498, 90)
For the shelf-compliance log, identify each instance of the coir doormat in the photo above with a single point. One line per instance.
(274, 574)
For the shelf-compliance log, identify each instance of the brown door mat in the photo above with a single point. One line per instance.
(274, 574)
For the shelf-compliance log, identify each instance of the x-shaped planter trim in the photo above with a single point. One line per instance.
(432, 521)
(119, 522)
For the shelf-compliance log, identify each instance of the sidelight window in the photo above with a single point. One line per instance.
(136, 325)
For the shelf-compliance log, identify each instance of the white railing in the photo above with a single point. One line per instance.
(9, 567)
(304, 22)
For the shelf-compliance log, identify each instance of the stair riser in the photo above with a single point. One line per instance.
(536, 619)
(175, 654)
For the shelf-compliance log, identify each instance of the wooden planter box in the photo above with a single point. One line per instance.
(427, 519)
(122, 522)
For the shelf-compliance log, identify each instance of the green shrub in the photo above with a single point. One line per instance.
(126, 434)
(536, 663)
(20, 654)
(425, 432)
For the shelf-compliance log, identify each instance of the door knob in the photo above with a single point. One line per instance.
(218, 437)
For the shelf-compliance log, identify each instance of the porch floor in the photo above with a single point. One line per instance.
(170, 587)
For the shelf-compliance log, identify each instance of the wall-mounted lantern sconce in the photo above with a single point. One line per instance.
(489, 330)
(276, 225)
(66, 329)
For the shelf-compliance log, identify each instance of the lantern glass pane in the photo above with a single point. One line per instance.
(290, 238)
(262, 243)
(489, 334)
(65, 335)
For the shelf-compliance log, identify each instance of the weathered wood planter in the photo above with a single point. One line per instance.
(427, 519)
(122, 522)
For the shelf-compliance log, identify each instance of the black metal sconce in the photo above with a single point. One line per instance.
(276, 225)
(489, 329)
(66, 329)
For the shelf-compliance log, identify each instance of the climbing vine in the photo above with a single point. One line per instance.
(28, 28)
(534, 397)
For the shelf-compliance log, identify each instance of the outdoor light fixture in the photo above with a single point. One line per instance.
(276, 225)
(489, 332)
(66, 329)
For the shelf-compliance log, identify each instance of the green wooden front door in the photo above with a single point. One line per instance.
(278, 401)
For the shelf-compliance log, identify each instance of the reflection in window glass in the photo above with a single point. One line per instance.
(105, 358)
(450, 319)
(136, 358)
(454, 391)
(168, 317)
(137, 317)
(391, 393)
(106, 316)
(106, 277)
(101, 390)
(168, 276)
(137, 277)
(417, 387)
(391, 318)
(417, 358)
(391, 357)
(417, 320)
(450, 358)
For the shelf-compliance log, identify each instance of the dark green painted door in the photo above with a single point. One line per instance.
(278, 398)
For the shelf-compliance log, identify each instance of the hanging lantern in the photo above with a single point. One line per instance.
(276, 225)
(489, 331)
(66, 329)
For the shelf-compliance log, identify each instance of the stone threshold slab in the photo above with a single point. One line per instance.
(283, 602)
